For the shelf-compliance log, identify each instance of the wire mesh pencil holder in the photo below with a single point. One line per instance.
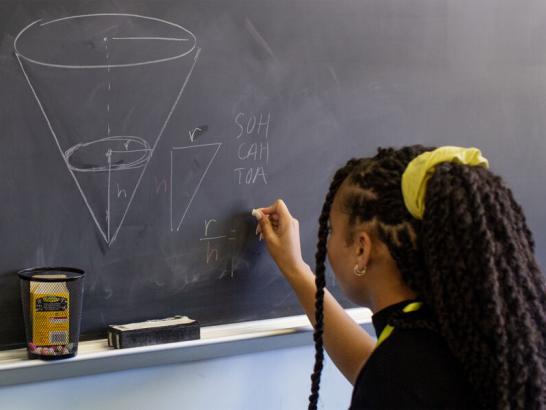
(52, 305)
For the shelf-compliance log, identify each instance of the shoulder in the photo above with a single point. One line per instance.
(413, 368)
(417, 350)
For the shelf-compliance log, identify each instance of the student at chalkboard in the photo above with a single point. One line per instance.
(436, 246)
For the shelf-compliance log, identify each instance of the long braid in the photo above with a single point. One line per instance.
(320, 280)
(471, 259)
(503, 287)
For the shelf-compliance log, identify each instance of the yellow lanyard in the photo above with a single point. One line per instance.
(412, 307)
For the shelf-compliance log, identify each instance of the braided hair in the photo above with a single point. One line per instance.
(470, 259)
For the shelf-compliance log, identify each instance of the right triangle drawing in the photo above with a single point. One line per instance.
(189, 166)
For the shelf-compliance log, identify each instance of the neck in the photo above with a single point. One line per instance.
(390, 295)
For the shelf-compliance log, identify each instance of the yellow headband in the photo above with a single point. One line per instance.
(419, 170)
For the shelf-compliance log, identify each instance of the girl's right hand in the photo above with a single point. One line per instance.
(281, 233)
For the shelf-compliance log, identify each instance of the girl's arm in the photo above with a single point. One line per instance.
(347, 344)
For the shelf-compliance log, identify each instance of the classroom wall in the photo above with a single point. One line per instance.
(272, 380)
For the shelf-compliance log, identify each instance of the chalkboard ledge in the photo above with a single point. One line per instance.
(96, 357)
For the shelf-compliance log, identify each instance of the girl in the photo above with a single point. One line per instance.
(436, 246)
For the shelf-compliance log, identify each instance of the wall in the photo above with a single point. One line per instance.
(272, 380)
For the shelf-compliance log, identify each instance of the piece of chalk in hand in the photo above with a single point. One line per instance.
(256, 214)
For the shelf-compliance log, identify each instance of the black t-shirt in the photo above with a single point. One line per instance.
(411, 369)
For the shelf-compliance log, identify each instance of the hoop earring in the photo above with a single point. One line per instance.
(358, 271)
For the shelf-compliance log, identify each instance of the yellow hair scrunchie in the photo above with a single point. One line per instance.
(419, 170)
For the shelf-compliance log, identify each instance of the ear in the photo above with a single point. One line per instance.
(363, 248)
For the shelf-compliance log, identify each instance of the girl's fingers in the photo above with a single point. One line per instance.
(269, 209)
(279, 208)
(270, 217)
(274, 224)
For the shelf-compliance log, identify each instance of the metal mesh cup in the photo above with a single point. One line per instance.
(52, 304)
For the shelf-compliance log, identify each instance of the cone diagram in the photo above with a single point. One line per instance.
(107, 85)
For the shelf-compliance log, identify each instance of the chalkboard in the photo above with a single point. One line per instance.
(138, 135)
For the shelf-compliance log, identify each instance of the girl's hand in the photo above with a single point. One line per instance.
(281, 233)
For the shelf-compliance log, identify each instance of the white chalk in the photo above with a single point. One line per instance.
(256, 214)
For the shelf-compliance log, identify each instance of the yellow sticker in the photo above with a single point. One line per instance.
(50, 309)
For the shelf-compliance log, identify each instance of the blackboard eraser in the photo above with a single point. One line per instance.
(152, 332)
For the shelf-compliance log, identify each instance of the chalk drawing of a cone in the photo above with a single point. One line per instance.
(107, 85)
